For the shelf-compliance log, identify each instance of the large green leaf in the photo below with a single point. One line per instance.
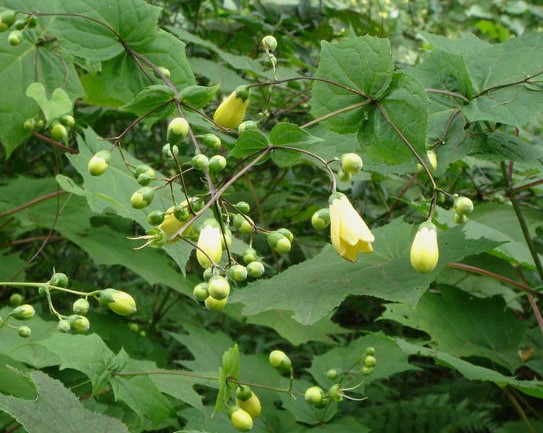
(41, 415)
(288, 134)
(363, 64)
(312, 289)
(54, 107)
(464, 326)
(97, 30)
(403, 116)
(473, 372)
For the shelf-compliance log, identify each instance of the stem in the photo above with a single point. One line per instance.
(47, 286)
(54, 142)
(448, 93)
(31, 203)
(527, 186)
(322, 80)
(519, 410)
(333, 113)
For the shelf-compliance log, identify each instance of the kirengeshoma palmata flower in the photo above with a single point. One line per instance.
(424, 253)
(231, 111)
(209, 244)
(349, 233)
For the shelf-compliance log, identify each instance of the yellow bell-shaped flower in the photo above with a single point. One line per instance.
(231, 111)
(349, 233)
(424, 253)
(209, 244)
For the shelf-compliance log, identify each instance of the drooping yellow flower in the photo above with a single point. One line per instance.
(209, 242)
(349, 233)
(424, 253)
(231, 111)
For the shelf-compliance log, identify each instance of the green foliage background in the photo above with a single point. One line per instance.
(458, 349)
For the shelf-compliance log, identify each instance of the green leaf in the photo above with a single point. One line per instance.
(97, 32)
(464, 326)
(59, 104)
(53, 398)
(473, 372)
(466, 43)
(198, 96)
(406, 108)
(363, 64)
(140, 394)
(229, 368)
(288, 134)
(312, 289)
(14, 379)
(85, 353)
(343, 359)
(149, 99)
(249, 142)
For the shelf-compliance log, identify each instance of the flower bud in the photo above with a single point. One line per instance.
(231, 111)
(213, 304)
(218, 287)
(247, 125)
(240, 419)
(279, 359)
(99, 163)
(424, 253)
(81, 306)
(59, 279)
(217, 163)
(16, 299)
(370, 361)
(200, 292)
(244, 224)
(278, 242)
(58, 132)
(15, 38)
(463, 206)
(331, 374)
(211, 141)
(287, 233)
(209, 249)
(255, 269)
(351, 163)
(155, 217)
(335, 392)
(366, 370)
(250, 255)
(117, 301)
(29, 125)
(142, 197)
(63, 326)
(67, 120)
(8, 17)
(200, 162)
(238, 273)
(460, 219)
(24, 331)
(78, 324)
(170, 150)
(343, 176)
(164, 71)
(432, 157)
(321, 219)
(269, 43)
(314, 395)
(23, 312)
(251, 404)
(242, 206)
(178, 129)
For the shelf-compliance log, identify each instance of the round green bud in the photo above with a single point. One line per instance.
(287, 233)
(331, 374)
(23, 312)
(117, 301)
(3, 27)
(241, 420)
(143, 168)
(145, 179)
(237, 273)
(67, 120)
(242, 206)
(217, 163)
(370, 351)
(59, 132)
(278, 242)
(314, 395)
(200, 162)
(24, 331)
(20, 24)
(211, 141)
(98, 164)
(155, 217)
(170, 151)
(247, 125)
(255, 269)
(63, 326)
(142, 197)
(181, 213)
(39, 124)
(335, 392)
(81, 306)
(218, 287)
(351, 163)
(16, 299)
(343, 176)
(200, 292)
(226, 240)
(164, 71)
(213, 304)
(8, 17)
(250, 255)
(134, 327)
(244, 224)
(15, 38)
(78, 324)
(463, 205)
(369, 361)
(321, 219)
(29, 125)
(279, 359)
(366, 370)
(59, 279)
(178, 129)
(32, 21)
(208, 273)
(269, 43)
